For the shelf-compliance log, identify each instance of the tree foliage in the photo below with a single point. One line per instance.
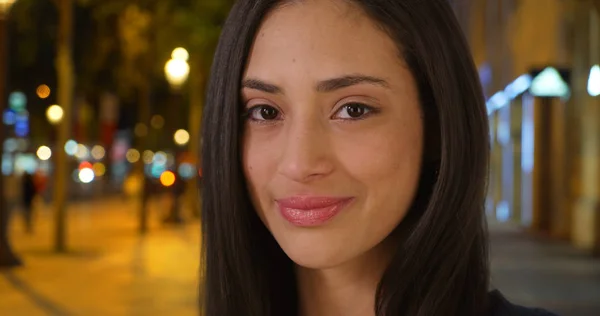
(119, 44)
(135, 38)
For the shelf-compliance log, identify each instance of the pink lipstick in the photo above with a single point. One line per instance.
(309, 211)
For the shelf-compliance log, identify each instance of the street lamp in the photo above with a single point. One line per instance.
(177, 71)
(177, 68)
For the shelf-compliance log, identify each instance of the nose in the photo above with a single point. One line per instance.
(307, 154)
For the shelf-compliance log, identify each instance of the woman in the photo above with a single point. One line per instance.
(345, 160)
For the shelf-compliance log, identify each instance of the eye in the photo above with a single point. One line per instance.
(354, 111)
(263, 113)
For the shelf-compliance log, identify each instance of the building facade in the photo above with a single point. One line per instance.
(545, 164)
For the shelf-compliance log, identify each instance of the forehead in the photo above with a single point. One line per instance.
(335, 35)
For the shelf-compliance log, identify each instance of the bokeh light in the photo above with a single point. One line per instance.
(148, 156)
(177, 72)
(22, 124)
(140, 130)
(44, 153)
(186, 171)
(11, 145)
(157, 170)
(98, 152)
(9, 117)
(157, 122)
(85, 165)
(82, 152)
(160, 158)
(26, 163)
(99, 169)
(180, 53)
(181, 137)
(55, 114)
(17, 101)
(43, 91)
(71, 147)
(167, 178)
(133, 155)
(86, 175)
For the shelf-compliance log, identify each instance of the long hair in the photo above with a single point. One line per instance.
(441, 266)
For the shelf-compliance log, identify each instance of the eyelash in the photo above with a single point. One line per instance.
(369, 112)
(247, 116)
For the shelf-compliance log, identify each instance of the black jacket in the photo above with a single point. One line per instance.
(500, 306)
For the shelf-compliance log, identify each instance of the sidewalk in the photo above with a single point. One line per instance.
(110, 269)
(543, 273)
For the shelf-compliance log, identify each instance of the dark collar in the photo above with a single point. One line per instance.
(500, 306)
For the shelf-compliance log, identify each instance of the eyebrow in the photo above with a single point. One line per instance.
(328, 85)
(348, 81)
(257, 84)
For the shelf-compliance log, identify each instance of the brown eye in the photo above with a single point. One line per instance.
(268, 113)
(353, 111)
(263, 113)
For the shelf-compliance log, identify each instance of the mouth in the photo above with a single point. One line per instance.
(311, 211)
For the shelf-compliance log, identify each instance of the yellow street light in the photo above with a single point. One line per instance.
(5, 7)
(181, 54)
(177, 69)
(55, 114)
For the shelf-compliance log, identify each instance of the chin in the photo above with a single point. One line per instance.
(314, 252)
(314, 260)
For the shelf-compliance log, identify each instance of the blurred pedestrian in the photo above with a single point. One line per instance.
(40, 180)
(178, 191)
(29, 193)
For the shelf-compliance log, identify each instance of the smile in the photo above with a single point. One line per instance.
(310, 211)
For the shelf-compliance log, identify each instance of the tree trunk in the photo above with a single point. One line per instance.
(65, 75)
(7, 257)
(144, 118)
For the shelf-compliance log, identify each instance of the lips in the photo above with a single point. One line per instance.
(309, 211)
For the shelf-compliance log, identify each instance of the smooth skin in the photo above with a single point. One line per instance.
(332, 110)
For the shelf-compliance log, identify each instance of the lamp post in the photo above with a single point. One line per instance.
(7, 257)
(177, 71)
(55, 114)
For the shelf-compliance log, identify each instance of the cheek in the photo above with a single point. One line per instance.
(387, 167)
(258, 158)
(391, 153)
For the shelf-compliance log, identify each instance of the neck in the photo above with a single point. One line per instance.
(348, 289)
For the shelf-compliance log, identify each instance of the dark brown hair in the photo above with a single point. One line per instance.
(441, 267)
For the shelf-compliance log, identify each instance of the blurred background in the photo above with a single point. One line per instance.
(101, 103)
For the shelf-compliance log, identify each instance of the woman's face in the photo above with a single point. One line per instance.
(334, 133)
